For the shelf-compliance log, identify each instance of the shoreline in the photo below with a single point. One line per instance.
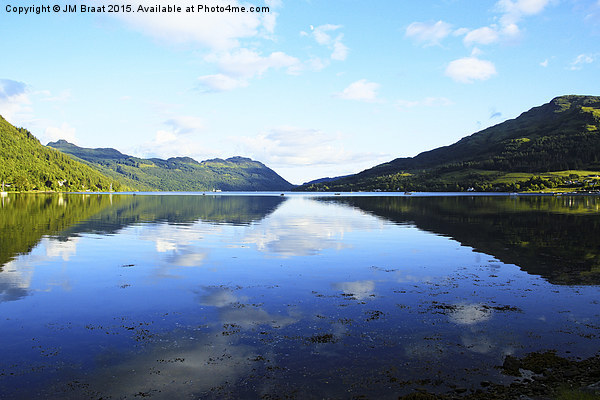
(539, 375)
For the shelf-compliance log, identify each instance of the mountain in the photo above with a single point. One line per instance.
(327, 179)
(178, 173)
(25, 164)
(517, 154)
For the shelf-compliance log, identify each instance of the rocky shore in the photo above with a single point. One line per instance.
(538, 376)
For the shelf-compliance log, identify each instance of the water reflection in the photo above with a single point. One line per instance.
(555, 237)
(25, 219)
(359, 290)
(302, 228)
(258, 296)
(14, 281)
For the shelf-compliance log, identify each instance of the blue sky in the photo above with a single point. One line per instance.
(311, 88)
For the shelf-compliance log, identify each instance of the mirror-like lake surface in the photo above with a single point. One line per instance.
(250, 296)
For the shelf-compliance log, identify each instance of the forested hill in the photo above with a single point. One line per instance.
(561, 135)
(25, 164)
(178, 173)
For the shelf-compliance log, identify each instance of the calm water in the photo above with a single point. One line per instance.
(246, 296)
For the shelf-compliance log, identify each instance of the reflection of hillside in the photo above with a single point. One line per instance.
(25, 219)
(180, 209)
(556, 238)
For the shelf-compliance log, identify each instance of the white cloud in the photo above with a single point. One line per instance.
(476, 52)
(320, 33)
(185, 124)
(470, 69)
(428, 33)
(460, 32)
(511, 31)
(180, 138)
(485, 35)
(246, 63)
(238, 66)
(214, 30)
(65, 95)
(340, 51)
(361, 90)
(286, 148)
(163, 137)
(293, 146)
(65, 131)
(544, 63)
(513, 11)
(220, 83)
(581, 60)
(322, 37)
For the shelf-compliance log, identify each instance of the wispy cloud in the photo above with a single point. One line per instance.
(581, 60)
(514, 10)
(181, 136)
(220, 83)
(217, 31)
(322, 36)
(428, 33)
(246, 63)
(361, 90)
(485, 35)
(239, 66)
(64, 131)
(506, 27)
(470, 69)
(295, 146)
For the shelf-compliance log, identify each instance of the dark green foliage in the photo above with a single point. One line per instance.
(178, 173)
(561, 135)
(27, 165)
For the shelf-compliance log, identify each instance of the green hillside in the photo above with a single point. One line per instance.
(553, 145)
(178, 173)
(25, 164)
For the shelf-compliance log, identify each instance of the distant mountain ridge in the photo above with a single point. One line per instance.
(561, 135)
(327, 179)
(178, 173)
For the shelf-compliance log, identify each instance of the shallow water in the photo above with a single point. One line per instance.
(247, 296)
